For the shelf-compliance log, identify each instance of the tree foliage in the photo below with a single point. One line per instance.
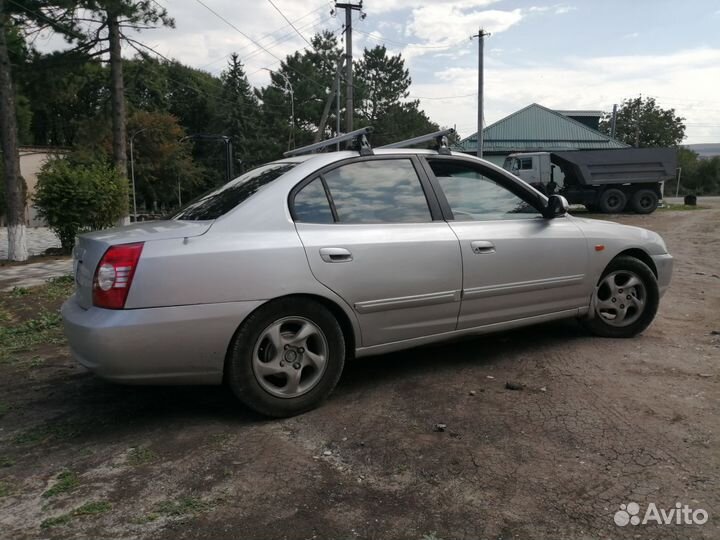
(698, 176)
(76, 197)
(382, 82)
(644, 124)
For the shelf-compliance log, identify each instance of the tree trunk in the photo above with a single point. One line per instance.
(14, 185)
(117, 93)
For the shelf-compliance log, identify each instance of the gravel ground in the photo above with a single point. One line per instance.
(599, 423)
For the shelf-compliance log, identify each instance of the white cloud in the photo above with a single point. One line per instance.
(685, 80)
(383, 6)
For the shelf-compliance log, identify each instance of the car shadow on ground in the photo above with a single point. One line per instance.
(86, 409)
(484, 351)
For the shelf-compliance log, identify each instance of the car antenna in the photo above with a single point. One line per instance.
(358, 138)
(440, 137)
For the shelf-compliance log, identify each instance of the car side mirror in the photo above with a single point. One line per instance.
(557, 205)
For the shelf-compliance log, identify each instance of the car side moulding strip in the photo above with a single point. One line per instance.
(479, 330)
(522, 286)
(418, 300)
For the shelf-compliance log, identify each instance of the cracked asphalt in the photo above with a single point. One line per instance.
(599, 423)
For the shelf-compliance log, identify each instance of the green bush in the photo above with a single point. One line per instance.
(75, 198)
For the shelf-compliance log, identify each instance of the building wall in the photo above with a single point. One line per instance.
(31, 162)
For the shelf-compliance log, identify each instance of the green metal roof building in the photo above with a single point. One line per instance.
(538, 129)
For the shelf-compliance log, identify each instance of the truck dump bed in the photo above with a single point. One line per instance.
(621, 166)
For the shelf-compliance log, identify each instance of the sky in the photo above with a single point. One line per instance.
(574, 54)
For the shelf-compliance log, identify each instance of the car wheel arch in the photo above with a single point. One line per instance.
(641, 255)
(350, 333)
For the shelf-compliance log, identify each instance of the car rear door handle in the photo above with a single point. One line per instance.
(335, 255)
(480, 247)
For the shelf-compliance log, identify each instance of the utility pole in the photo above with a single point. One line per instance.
(614, 121)
(349, 107)
(481, 83)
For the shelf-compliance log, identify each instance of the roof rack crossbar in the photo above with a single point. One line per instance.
(359, 136)
(439, 136)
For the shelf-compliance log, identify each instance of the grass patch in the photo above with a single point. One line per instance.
(6, 462)
(5, 489)
(59, 431)
(87, 509)
(18, 292)
(55, 521)
(44, 329)
(66, 481)
(220, 439)
(182, 506)
(92, 508)
(58, 288)
(141, 456)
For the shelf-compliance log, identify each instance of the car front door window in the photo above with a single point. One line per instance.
(473, 196)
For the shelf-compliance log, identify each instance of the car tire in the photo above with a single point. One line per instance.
(612, 201)
(625, 299)
(274, 362)
(644, 201)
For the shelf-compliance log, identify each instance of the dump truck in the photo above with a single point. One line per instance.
(608, 181)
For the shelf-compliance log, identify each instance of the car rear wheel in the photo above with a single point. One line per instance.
(625, 300)
(644, 201)
(612, 201)
(286, 357)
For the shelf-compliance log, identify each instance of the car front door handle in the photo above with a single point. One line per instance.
(481, 247)
(335, 255)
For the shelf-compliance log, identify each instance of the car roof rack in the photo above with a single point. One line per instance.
(359, 138)
(441, 137)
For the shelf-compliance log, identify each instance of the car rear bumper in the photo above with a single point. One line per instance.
(664, 265)
(166, 345)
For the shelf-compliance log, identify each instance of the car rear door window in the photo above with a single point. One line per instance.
(473, 196)
(312, 205)
(378, 191)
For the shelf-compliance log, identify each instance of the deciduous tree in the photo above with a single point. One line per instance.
(642, 123)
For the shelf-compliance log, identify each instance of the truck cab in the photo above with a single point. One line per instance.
(537, 169)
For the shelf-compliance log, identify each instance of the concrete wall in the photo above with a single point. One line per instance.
(32, 160)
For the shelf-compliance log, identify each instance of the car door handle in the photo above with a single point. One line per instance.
(480, 247)
(335, 255)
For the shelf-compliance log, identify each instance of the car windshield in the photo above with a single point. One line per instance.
(220, 201)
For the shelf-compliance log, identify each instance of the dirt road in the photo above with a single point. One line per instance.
(599, 423)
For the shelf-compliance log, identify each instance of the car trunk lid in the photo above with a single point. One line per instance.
(90, 247)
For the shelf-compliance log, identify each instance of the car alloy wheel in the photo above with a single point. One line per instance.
(290, 357)
(620, 298)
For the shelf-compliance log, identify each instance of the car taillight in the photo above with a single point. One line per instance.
(114, 275)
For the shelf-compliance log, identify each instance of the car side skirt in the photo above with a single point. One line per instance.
(479, 330)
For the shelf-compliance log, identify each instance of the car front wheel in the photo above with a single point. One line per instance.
(625, 299)
(286, 357)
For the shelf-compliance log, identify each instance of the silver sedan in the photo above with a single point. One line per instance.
(273, 281)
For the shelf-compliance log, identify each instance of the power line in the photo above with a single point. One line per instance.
(445, 97)
(410, 45)
(231, 25)
(290, 23)
(278, 41)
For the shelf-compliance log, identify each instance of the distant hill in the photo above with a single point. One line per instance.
(705, 150)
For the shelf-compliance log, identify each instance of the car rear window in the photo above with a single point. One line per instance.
(220, 201)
